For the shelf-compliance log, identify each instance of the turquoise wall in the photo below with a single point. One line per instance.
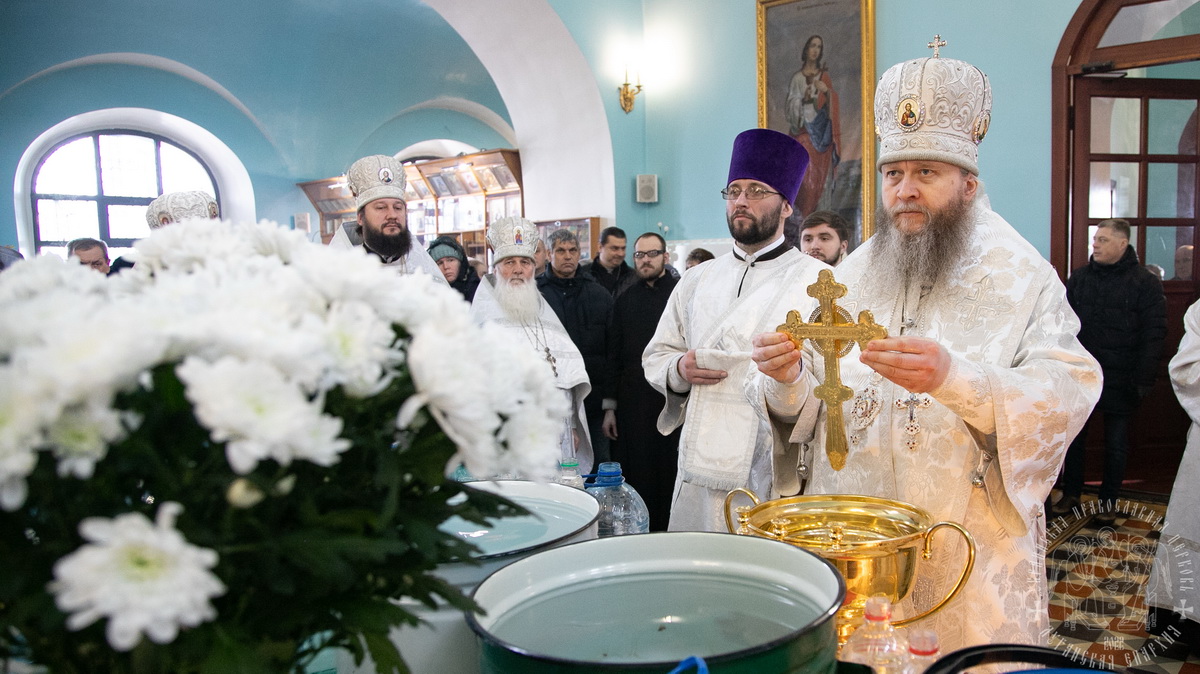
(323, 81)
(328, 81)
(603, 30)
(690, 123)
(1013, 43)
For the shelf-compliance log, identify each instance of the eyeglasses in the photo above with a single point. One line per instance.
(652, 254)
(753, 193)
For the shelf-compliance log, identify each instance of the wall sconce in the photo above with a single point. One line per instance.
(627, 92)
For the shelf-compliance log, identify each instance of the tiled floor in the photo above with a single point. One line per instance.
(1097, 574)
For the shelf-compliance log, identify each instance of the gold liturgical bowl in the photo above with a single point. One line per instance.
(873, 542)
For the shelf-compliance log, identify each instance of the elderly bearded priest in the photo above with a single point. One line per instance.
(967, 407)
(510, 298)
(377, 183)
(699, 356)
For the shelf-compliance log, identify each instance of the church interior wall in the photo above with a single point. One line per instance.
(327, 81)
(420, 125)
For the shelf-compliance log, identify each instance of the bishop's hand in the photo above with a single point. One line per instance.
(694, 374)
(776, 356)
(918, 364)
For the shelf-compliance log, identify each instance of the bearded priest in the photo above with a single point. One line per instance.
(699, 356)
(967, 408)
(377, 183)
(510, 299)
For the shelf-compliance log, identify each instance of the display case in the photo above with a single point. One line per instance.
(333, 201)
(457, 196)
(587, 230)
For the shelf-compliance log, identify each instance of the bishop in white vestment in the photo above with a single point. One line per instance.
(510, 298)
(699, 357)
(967, 408)
(377, 183)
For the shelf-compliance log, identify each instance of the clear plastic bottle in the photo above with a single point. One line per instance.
(568, 473)
(923, 650)
(876, 643)
(622, 510)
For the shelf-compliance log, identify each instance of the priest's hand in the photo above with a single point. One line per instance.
(918, 364)
(776, 356)
(609, 425)
(694, 374)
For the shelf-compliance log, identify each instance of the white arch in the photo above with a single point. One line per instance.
(232, 179)
(436, 147)
(470, 109)
(552, 97)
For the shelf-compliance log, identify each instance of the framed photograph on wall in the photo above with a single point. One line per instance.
(816, 83)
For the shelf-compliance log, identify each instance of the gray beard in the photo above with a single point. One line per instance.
(927, 257)
(520, 302)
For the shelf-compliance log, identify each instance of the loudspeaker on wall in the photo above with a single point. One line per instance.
(647, 188)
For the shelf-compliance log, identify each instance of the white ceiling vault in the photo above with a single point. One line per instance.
(553, 100)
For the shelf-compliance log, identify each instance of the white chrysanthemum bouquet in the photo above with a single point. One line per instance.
(239, 445)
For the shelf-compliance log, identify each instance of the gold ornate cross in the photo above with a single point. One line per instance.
(937, 44)
(832, 334)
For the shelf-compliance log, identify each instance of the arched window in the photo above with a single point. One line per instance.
(227, 173)
(98, 185)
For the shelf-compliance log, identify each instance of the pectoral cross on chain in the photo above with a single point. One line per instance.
(832, 334)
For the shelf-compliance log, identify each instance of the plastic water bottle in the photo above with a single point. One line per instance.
(568, 473)
(923, 650)
(622, 510)
(876, 643)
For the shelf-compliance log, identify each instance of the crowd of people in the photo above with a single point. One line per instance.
(983, 386)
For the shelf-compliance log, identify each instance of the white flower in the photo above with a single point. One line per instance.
(186, 246)
(22, 414)
(444, 360)
(259, 414)
(260, 310)
(141, 575)
(81, 437)
(90, 360)
(362, 350)
(533, 407)
(48, 274)
(242, 493)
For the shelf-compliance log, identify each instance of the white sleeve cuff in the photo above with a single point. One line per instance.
(967, 392)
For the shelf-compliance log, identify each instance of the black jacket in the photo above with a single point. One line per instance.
(1123, 317)
(585, 310)
(467, 281)
(634, 320)
(615, 282)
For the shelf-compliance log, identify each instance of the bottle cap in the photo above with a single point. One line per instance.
(569, 463)
(878, 608)
(923, 642)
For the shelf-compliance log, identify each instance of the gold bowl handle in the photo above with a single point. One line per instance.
(962, 580)
(729, 515)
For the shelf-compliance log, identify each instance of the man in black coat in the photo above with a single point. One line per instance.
(584, 308)
(648, 459)
(609, 268)
(1123, 322)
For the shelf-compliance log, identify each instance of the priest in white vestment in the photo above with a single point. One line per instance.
(510, 298)
(967, 408)
(377, 183)
(699, 356)
(1172, 587)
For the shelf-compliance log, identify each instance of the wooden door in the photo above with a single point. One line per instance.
(1135, 157)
